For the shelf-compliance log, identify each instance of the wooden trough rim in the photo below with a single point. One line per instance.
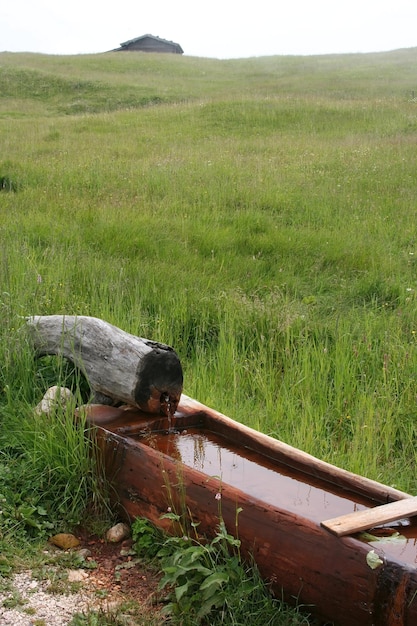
(296, 458)
(390, 504)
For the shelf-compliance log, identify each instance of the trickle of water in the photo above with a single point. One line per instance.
(169, 412)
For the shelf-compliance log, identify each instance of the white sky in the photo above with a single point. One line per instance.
(215, 28)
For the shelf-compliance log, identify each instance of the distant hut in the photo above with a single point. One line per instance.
(150, 43)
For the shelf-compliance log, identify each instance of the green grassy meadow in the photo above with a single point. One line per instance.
(259, 215)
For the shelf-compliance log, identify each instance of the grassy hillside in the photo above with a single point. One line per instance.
(257, 214)
(113, 81)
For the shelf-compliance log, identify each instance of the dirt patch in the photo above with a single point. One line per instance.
(118, 572)
(111, 580)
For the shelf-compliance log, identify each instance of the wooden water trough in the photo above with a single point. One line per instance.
(302, 519)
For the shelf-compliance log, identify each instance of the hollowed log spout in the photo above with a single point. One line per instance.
(118, 366)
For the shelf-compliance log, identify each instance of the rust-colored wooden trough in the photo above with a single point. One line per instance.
(300, 518)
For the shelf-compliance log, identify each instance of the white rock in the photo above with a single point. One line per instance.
(55, 396)
(118, 533)
(76, 575)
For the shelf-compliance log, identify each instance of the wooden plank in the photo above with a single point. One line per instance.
(364, 520)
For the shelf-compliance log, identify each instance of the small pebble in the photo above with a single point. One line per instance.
(77, 575)
(84, 553)
(118, 533)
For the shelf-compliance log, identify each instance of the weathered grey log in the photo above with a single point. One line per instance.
(118, 365)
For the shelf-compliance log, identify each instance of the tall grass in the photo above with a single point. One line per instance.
(258, 215)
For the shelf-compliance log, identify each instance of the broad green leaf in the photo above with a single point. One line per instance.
(180, 591)
(212, 583)
(213, 602)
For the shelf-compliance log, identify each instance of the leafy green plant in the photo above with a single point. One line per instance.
(21, 508)
(208, 582)
(201, 574)
(146, 538)
(211, 584)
